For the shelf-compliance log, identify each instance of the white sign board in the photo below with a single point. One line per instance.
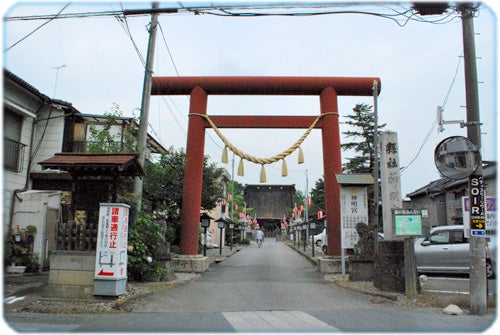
(111, 250)
(491, 215)
(353, 209)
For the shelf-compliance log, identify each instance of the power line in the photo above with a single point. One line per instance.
(124, 24)
(49, 19)
(421, 146)
(435, 120)
(168, 49)
(269, 9)
(453, 81)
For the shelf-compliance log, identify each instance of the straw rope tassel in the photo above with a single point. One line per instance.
(301, 156)
(262, 174)
(224, 159)
(284, 170)
(241, 170)
(262, 161)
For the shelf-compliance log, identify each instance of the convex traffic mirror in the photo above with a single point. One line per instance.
(457, 157)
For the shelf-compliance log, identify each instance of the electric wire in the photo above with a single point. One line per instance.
(265, 10)
(168, 50)
(453, 81)
(178, 74)
(434, 123)
(124, 24)
(49, 19)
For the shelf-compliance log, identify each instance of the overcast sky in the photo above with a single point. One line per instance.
(94, 62)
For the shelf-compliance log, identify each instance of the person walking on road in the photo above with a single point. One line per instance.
(259, 236)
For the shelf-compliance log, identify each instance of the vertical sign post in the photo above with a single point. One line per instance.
(110, 277)
(408, 224)
(390, 180)
(353, 208)
(477, 212)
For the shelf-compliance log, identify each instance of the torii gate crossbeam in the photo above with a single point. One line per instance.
(327, 88)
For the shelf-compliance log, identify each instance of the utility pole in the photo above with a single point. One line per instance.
(477, 277)
(376, 173)
(146, 94)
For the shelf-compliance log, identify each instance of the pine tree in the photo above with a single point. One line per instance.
(361, 133)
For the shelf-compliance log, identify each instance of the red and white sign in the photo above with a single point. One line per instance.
(112, 236)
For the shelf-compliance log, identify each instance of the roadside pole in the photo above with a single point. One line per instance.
(376, 172)
(146, 95)
(478, 280)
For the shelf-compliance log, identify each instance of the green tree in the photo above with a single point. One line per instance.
(317, 197)
(103, 139)
(238, 195)
(361, 133)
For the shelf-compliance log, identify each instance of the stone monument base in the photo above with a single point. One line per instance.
(190, 263)
(330, 264)
(360, 268)
(71, 275)
(389, 268)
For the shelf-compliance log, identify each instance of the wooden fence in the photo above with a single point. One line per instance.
(76, 237)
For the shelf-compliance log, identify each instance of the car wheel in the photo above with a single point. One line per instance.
(490, 270)
(324, 249)
(318, 243)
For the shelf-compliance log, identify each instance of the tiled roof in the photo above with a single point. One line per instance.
(438, 186)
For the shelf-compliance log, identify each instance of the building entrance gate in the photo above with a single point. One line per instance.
(327, 88)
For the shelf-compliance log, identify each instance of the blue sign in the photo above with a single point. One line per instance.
(478, 232)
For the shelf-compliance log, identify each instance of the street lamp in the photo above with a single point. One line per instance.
(221, 224)
(205, 222)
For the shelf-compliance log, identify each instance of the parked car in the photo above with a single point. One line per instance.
(447, 250)
(319, 238)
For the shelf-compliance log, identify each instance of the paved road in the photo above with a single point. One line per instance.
(268, 289)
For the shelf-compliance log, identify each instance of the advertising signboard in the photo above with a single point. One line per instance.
(491, 215)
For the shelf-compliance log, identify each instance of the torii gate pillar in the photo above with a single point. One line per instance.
(193, 174)
(332, 165)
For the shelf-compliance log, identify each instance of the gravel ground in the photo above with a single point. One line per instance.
(37, 303)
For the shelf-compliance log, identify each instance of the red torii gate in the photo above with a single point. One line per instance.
(327, 88)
